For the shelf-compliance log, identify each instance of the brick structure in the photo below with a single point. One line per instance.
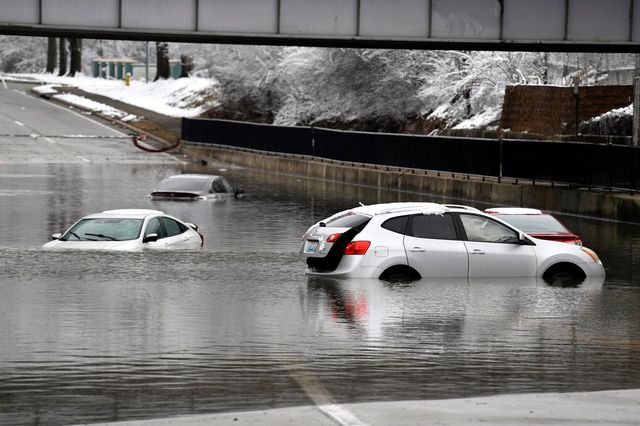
(551, 110)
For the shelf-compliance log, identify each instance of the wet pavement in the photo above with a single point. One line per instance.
(237, 326)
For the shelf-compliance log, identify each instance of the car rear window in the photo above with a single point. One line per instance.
(533, 222)
(348, 220)
(435, 226)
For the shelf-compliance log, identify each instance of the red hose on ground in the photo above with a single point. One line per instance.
(135, 139)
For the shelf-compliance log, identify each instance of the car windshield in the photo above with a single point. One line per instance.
(193, 184)
(104, 229)
(533, 222)
(348, 220)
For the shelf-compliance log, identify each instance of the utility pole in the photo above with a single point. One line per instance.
(576, 93)
(146, 64)
(636, 111)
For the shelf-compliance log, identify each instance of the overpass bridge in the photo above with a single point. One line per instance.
(539, 25)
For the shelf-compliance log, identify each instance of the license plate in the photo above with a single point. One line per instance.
(311, 247)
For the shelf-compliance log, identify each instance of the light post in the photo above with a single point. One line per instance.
(576, 93)
(146, 63)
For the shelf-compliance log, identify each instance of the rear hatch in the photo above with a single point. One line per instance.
(324, 243)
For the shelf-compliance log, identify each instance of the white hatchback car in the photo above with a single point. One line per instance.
(128, 230)
(419, 240)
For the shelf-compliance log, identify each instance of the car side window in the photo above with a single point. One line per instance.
(396, 224)
(218, 187)
(434, 226)
(227, 185)
(483, 229)
(154, 227)
(173, 227)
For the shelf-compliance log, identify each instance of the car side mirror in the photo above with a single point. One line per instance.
(522, 239)
(150, 238)
(56, 236)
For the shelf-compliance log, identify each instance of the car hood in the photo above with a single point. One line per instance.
(189, 195)
(93, 245)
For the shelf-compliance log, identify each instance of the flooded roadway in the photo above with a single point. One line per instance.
(89, 337)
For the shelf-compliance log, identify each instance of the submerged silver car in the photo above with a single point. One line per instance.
(428, 240)
(189, 187)
(128, 229)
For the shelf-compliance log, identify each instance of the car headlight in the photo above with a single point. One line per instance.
(592, 254)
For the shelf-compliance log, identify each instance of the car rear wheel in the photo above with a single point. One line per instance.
(400, 273)
(564, 275)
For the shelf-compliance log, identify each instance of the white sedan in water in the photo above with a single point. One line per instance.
(420, 240)
(129, 229)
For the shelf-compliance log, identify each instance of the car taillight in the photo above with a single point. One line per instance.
(357, 247)
(333, 237)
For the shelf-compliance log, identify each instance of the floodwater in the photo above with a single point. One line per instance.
(89, 337)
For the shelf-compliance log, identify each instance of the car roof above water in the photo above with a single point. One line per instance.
(192, 176)
(513, 210)
(417, 207)
(128, 213)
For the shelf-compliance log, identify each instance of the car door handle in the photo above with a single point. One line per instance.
(417, 249)
(477, 251)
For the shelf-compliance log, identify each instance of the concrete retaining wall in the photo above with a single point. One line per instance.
(612, 206)
(551, 110)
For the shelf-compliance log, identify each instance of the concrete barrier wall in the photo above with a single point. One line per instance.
(612, 206)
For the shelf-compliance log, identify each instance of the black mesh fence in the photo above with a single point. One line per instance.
(579, 163)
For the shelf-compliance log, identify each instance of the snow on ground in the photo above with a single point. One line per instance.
(88, 104)
(183, 97)
(484, 119)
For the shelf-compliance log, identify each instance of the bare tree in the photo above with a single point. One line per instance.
(75, 45)
(62, 69)
(162, 60)
(52, 54)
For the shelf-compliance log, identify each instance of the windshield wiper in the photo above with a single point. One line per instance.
(75, 235)
(102, 236)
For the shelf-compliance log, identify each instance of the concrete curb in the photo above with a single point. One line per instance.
(51, 97)
(616, 407)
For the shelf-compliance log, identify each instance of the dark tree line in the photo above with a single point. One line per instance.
(66, 55)
(63, 52)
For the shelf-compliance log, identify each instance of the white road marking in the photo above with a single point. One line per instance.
(118, 133)
(321, 397)
(49, 140)
(86, 160)
(18, 123)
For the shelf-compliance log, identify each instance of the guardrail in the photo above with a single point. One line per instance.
(576, 163)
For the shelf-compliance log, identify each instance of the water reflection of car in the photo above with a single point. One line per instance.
(190, 187)
(536, 223)
(419, 240)
(128, 230)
